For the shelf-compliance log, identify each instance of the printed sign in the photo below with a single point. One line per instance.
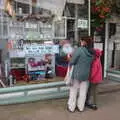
(36, 63)
(82, 23)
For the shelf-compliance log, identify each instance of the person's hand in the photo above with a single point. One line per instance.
(69, 56)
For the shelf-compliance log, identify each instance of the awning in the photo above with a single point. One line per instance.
(76, 1)
(55, 6)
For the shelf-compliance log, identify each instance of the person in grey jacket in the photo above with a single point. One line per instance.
(81, 59)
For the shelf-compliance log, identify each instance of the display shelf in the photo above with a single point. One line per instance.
(17, 63)
(17, 67)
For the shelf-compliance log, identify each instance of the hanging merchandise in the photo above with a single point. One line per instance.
(49, 68)
(20, 44)
(9, 8)
(10, 44)
(49, 73)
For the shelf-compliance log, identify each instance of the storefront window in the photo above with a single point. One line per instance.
(31, 55)
(114, 56)
(114, 47)
(38, 44)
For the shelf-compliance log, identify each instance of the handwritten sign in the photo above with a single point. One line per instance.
(37, 50)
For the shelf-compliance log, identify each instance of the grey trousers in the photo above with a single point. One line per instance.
(92, 94)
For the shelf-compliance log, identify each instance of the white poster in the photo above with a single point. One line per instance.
(98, 46)
(36, 50)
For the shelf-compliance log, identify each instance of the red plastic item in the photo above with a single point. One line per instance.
(18, 74)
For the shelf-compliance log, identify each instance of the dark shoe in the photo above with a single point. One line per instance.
(92, 106)
(88, 105)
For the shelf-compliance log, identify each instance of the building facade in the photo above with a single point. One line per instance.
(39, 29)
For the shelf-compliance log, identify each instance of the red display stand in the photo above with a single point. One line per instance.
(61, 71)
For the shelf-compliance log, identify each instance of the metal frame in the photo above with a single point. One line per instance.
(89, 17)
(30, 93)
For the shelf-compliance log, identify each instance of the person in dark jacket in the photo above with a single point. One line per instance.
(81, 59)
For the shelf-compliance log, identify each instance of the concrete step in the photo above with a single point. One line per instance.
(109, 86)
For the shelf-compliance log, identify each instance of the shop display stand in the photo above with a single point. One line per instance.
(30, 32)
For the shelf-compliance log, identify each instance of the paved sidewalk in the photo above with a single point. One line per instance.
(109, 86)
(109, 109)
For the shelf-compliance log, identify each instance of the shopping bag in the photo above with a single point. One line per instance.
(68, 77)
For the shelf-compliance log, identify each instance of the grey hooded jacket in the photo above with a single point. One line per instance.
(81, 59)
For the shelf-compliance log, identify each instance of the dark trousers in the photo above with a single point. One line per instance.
(92, 94)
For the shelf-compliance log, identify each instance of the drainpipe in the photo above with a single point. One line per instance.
(106, 48)
(76, 23)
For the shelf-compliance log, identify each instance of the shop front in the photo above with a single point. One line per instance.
(35, 46)
(113, 49)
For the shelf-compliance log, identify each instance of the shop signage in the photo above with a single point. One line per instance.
(36, 50)
(76, 1)
(82, 23)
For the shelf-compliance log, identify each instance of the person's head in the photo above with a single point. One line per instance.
(86, 41)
